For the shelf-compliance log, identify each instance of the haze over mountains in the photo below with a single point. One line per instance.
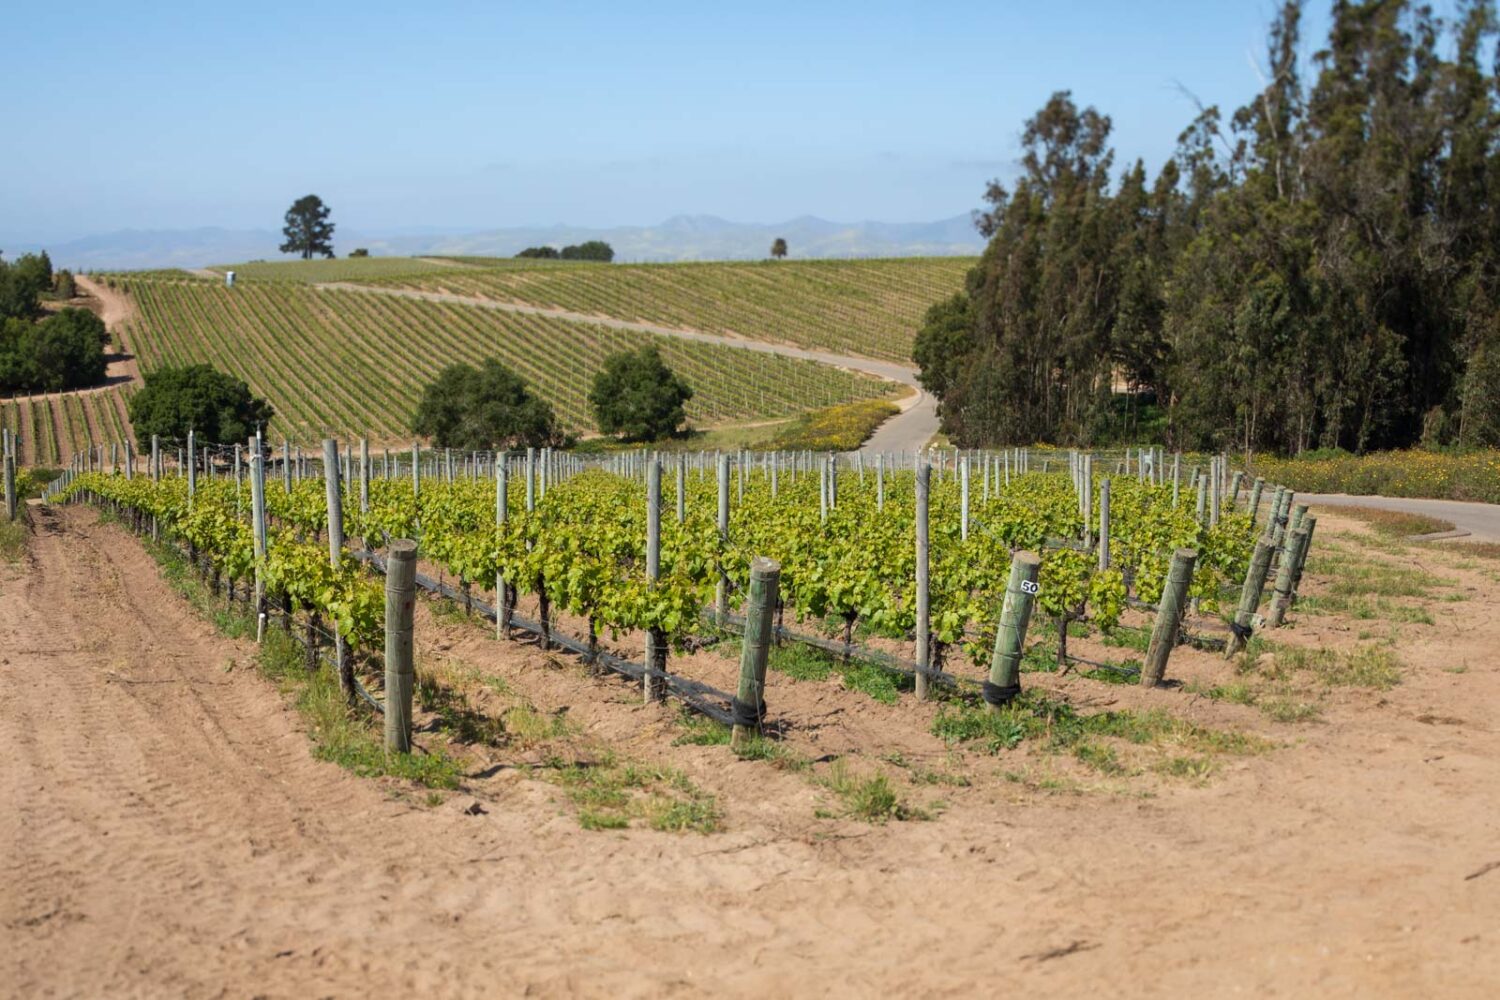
(682, 237)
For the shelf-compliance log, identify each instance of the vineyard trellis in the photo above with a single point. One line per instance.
(847, 533)
(348, 362)
(52, 429)
(868, 307)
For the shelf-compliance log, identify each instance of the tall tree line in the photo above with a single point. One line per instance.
(1320, 270)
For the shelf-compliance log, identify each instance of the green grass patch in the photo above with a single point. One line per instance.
(1126, 638)
(1352, 576)
(1286, 685)
(701, 731)
(1396, 523)
(342, 734)
(808, 663)
(932, 776)
(14, 536)
(1191, 767)
(1058, 727)
(1366, 608)
(871, 799)
(1369, 666)
(613, 794)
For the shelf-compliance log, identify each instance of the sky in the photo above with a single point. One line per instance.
(441, 116)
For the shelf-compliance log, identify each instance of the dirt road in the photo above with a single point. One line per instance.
(166, 831)
(909, 430)
(115, 309)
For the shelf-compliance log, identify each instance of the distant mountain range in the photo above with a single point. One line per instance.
(682, 237)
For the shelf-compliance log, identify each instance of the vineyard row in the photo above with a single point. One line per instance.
(908, 558)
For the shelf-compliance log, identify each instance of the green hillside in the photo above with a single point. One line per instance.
(354, 363)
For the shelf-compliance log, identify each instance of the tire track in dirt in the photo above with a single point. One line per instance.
(167, 832)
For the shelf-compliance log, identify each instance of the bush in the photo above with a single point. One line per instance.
(60, 352)
(217, 408)
(540, 253)
(359, 252)
(592, 250)
(638, 397)
(22, 284)
(480, 409)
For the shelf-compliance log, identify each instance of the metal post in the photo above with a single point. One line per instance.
(924, 643)
(654, 687)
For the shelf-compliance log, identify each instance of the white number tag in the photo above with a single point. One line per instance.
(1030, 587)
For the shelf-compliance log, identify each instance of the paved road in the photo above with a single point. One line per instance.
(1480, 520)
(909, 430)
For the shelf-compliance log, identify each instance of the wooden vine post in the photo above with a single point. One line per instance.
(10, 486)
(924, 640)
(1255, 582)
(1256, 489)
(400, 606)
(749, 706)
(1286, 572)
(1169, 611)
(1309, 523)
(1004, 682)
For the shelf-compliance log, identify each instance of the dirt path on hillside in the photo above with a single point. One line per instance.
(908, 431)
(116, 309)
(121, 368)
(168, 832)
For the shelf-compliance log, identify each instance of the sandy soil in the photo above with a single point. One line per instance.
(116, 309)
(167, 831)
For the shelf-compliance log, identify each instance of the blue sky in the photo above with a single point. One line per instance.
(475, 115)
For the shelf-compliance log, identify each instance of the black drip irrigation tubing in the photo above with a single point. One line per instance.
(694, 694)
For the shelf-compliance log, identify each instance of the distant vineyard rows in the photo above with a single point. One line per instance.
(53, 430)
(866, 307)
(352, 363)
